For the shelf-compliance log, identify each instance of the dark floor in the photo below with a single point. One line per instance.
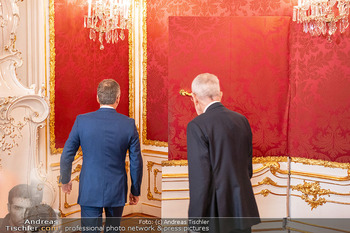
(138, 222)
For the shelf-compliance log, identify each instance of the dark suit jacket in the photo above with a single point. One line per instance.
(104, 136)
(219, 148)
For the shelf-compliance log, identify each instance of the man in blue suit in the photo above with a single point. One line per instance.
(105, 136)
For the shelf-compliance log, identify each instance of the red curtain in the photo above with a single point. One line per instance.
(250, 57)
(80, 65)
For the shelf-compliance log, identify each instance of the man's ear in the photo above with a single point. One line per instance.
(118, 99)
(194, 98)
(98, 100)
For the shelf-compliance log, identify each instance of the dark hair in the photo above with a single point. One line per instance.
(42, 212)
(108, 91)
(20, 190)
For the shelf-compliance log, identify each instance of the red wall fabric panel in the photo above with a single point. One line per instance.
(318, 126)
(81, 65)
(158, 12)
(250, 57)
(320, 103)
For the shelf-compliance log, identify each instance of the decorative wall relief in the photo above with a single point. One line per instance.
(10, 131)
(150, 196)
(10, 57)
(22, 112)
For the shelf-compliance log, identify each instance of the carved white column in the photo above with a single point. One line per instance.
(22, 113)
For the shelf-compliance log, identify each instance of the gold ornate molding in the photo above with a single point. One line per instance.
(169, 163)
(268, 165)
(273, 164)
(53, 148)
(312, 175)
(175, 190)
(131, 63)
(77, 169)
(176, 175)
(264, 160)
(150, 196)
(156, 171)
(314, 190)
(269, 159)
(144, 82)
(269, 181)
(266, 192)
(36, 111)
(311, 192)
(155, 152)
(10, 130)
(321, 163)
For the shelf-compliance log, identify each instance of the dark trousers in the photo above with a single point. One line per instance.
(91, 219)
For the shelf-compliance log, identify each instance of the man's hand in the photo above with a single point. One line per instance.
(133, 200)
(67, 188)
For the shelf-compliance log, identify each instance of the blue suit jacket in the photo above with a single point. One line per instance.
(104, 136)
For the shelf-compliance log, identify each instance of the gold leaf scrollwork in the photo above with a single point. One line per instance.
(268, 181)
(10, 130)
(265, 192)
(312, 193)
(274, 167)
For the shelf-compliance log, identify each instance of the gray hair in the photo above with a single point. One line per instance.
(108, 91)
(206, 86)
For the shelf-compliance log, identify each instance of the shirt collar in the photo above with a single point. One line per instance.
(106, 106)
(209, 105)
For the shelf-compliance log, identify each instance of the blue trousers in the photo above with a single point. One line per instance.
(91, 219)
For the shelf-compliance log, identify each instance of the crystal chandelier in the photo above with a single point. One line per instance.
(322, 16)
(107, 20)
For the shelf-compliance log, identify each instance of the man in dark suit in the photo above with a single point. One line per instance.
(104, 137)
(219, 148)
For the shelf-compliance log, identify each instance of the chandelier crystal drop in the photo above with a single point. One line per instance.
(322, 17)
(107, 20)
